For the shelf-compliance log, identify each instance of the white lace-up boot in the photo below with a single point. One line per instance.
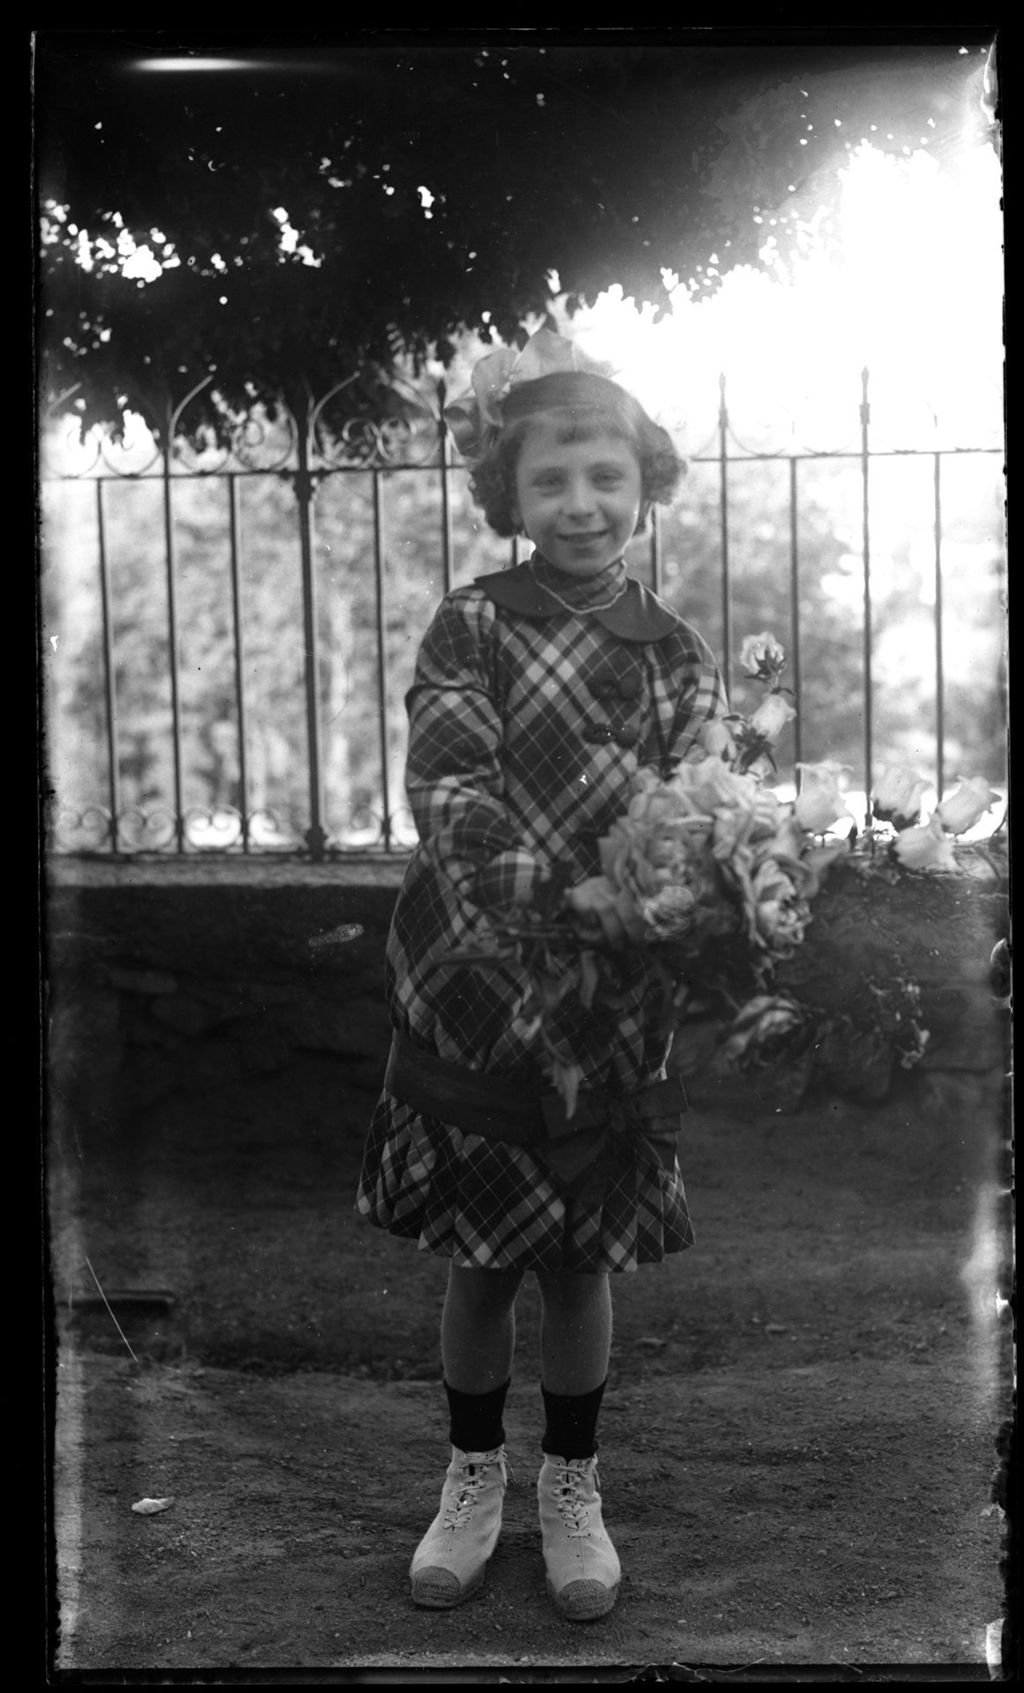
(582, 1564)
(450, 1561)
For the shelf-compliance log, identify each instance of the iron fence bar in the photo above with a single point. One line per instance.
(109, 692)
(940, 684)
(382, 660)
(794, 609)
(446, 509)
(865, 420)
(239, 636)
(172, 645)
(723, 479)
(315, 837)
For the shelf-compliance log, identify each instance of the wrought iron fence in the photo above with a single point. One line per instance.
(124, 772)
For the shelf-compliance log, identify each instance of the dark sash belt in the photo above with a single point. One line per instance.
(587, 1146)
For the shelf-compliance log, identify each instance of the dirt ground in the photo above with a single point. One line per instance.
(798, 1443)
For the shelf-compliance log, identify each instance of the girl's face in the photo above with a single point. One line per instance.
(577, 500)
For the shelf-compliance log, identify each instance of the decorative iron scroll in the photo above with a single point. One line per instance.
(258, 440)
(219, 830)
(332, 432)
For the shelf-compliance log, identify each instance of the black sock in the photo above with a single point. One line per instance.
(571, 1423)
(475, 1418)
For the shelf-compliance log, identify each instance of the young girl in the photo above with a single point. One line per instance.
(538, 694)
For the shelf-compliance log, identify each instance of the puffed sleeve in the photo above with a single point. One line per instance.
(454, 772)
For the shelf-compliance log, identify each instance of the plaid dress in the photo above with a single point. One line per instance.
(527, 723)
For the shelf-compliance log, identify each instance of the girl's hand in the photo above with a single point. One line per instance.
(604, 916)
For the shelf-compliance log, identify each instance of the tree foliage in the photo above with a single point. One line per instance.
(324, 205)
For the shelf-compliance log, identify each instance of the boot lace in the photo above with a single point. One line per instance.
(572, 1507)
(461, 1505)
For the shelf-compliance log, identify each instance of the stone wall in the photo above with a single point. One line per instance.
(197, 974)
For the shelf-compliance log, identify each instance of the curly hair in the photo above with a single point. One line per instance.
(589, 405)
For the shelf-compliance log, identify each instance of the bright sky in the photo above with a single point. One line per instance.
(914, 293)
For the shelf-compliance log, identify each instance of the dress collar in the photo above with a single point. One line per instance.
(638, 616)
(580, 593)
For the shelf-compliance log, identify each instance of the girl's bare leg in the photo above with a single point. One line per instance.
(576, 1330)
(478, 1330)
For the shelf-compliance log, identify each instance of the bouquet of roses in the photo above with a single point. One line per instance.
(706, 891)
(707, 883)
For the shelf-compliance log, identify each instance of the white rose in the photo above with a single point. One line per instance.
(962, 808)
(702, 787)
(766, 1017)
(762, 656)
(926, 847)
(716, 740)
(779, 913)
(669, 914)
(897, 796)
(771, 717)
(819, 803)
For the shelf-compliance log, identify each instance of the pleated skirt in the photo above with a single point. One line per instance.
(491, 1204)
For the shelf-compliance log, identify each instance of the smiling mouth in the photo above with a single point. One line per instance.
(586, 535)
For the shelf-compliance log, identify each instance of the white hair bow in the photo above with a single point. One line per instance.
(475, 418)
